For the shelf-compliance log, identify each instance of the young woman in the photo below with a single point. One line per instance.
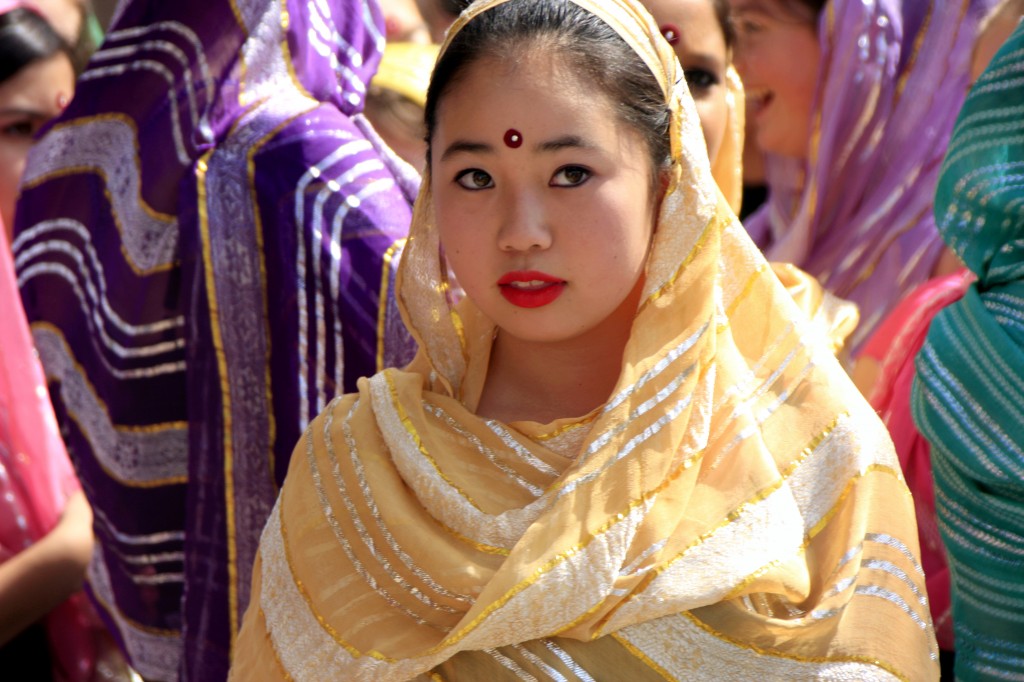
(620, 455)
(853, 103)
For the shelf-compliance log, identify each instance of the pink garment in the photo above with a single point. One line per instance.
(902, 334)
(36, 476)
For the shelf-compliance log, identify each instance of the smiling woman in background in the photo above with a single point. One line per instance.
(853, 104)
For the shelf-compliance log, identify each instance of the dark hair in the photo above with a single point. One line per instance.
(811, 9)
(724, 17)
(591, 46)
(455, 7)
(26, 37)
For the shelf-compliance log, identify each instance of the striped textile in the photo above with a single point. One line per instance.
(856, 213)
(968, 397)
(734, 511)
(206, 244)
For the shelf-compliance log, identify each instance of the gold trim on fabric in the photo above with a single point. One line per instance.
(792, 657)
(99, 118)
(872, 468)
(561, 557)
(301, 587)
(566, 428)
(250, 166)
(285, 675)
(480, 547)
(748, 287)
(382, 308)
(120, 616)
(414, 434)
(820, 525)
(225, 389)
(730, 518)
(141, 485)
(715, 221)
(286, 53)
(123, 428)
(644, 658)
(901, 84)
(151, 428)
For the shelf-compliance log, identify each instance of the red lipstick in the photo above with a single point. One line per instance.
(529, 288)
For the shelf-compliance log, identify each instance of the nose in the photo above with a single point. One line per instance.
(524, 223)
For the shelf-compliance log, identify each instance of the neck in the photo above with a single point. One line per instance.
(545, 381)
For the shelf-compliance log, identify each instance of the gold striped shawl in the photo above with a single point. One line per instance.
(735, 509)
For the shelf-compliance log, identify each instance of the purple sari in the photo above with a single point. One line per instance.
(205, 246)
(857, 214)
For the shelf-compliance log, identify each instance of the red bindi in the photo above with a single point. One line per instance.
(513, 138)
(671, 33)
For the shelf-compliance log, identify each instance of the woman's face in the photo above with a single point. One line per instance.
(28, 99)
(543, 199)
(693, 29)
(778, 55)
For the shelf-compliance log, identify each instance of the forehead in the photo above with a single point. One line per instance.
(35, 86)
(696, 20)
(538, 74)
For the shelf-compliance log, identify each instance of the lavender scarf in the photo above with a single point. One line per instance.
(205, 246)
(857, 213)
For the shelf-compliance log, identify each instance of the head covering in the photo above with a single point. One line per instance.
(405, 68)
(733, 511)
(857, 213)
(206, 245)
(969, 390)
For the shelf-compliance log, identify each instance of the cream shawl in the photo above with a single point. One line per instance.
(734, 511)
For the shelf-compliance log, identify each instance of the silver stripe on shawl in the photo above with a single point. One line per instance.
(347, 497)
(177, 135)
(98, 291)
(155, 656)
(99, 329)
(536, 660)
(131, 54)
(149, 242)
(516, 447)
(511, 665)
(137, 540)
(707, 572)
(312, 175)
(449, 505)
(117, 451)
(487, 452)
(566, 659)
(371, 503)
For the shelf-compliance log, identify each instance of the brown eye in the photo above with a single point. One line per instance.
(474, 179)
(570, 176)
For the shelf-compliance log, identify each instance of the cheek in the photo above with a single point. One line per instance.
(714, 115)
(12, 164)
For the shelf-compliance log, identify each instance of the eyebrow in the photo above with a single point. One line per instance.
(31, 113)
(559, 143)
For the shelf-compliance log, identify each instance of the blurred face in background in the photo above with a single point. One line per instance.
(28, 99)
(693, 30)
(778, 57)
